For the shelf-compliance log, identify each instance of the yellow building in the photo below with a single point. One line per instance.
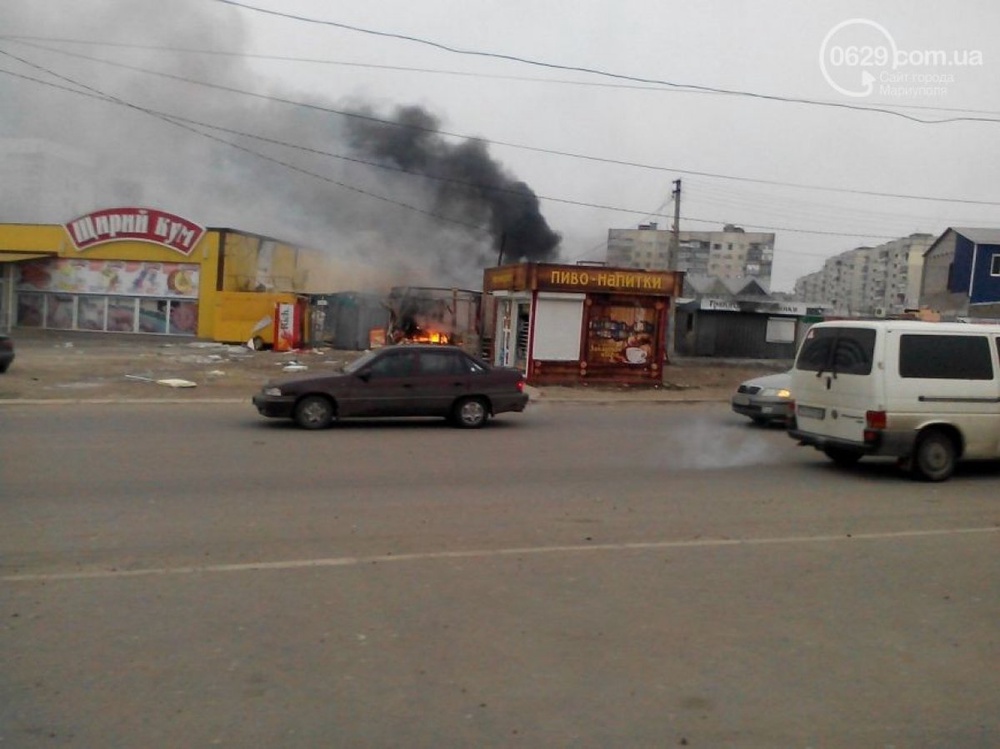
(142, 270)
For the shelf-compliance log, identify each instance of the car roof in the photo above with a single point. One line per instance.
(913, 326)
(422, 347)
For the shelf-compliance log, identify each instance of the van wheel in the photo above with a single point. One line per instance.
(935, 456)
(314, 412)
(842, 456)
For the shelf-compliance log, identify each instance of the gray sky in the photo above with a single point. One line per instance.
(599, 152)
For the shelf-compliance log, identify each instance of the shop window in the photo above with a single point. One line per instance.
(183, 318)
(121, 315)
(780, 330)
(523, 320)
(153, 316)
(30, 310)
(59, 312)
(91, 312)
(619, 335)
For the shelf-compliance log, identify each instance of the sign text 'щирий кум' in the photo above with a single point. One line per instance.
(140, 224)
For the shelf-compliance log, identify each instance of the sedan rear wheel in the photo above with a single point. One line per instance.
(470, 413)
(314, 412)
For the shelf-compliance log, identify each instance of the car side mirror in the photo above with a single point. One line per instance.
(365, 376)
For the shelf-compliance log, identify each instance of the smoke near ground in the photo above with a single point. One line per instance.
(396, 194)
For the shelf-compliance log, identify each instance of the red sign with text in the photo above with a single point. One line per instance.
(136, 225)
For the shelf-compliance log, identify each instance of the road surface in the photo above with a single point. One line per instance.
(575, 576)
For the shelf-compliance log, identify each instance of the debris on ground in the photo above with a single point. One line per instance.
(174, 382)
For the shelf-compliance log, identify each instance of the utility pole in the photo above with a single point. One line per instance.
(675, 230)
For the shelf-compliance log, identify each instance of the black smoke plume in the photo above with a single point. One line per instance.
(466, 183)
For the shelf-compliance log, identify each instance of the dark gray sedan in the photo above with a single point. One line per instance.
(403, 380)
(766, 400)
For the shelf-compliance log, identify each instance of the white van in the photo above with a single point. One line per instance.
(925, 393)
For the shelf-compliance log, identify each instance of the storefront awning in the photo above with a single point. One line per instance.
(16, 257)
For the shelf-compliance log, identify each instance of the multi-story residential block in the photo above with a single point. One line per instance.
(731, 253)
(870, 281)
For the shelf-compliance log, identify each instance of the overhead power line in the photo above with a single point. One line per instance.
(604, 73)
(518, 146)
(413, 69)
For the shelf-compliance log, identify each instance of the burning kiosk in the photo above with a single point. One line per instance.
(421, 314)
(565, 324)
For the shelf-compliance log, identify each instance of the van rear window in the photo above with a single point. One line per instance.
(945, 357)
(840, 350)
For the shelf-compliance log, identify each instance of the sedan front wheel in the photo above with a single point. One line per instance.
(314, 412)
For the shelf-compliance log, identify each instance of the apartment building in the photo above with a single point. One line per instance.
(869, 281)
(732, 253)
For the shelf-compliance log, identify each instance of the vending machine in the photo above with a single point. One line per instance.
(287, 326)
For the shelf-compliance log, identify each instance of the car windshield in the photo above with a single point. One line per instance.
(358, 364)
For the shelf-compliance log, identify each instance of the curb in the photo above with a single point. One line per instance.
(535, 400)
(112, 401)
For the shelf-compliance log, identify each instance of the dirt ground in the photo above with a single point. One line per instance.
(55, 365)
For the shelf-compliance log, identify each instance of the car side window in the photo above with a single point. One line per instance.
(442, 362)
(394, 364)
(945, 357)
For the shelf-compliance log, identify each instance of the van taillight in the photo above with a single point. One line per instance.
(875, 420)
(520, 385)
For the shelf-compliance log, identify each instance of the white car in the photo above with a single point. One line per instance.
(765, 400)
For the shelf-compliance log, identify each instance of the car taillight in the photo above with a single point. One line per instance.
(875, 420)
(520, 386)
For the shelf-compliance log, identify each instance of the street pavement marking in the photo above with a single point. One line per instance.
(353, 561)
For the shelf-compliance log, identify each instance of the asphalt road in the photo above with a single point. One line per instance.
(577, 576)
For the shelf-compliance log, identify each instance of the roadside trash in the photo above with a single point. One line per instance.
(294, 367)
(255, 342)
(202, 344)
(173, 382)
